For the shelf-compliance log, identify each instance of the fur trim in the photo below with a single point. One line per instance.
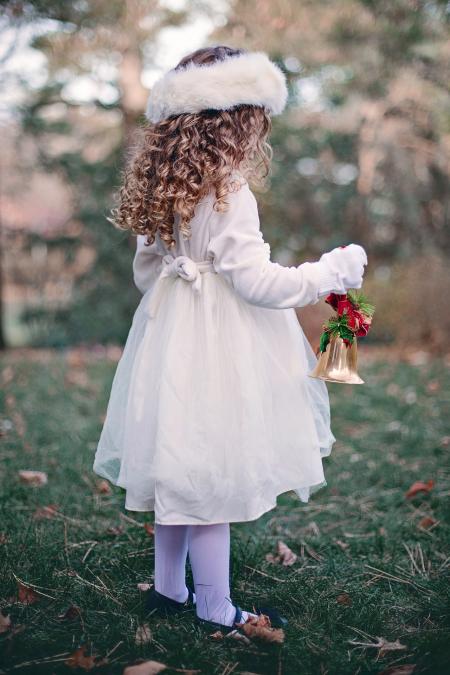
(245, 78)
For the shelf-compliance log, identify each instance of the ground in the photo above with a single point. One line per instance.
(368, 592)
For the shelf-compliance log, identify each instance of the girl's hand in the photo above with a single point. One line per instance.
(347, 262)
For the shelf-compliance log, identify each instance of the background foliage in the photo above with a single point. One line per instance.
(361, 154)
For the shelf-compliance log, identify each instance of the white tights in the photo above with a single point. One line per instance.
(209, 555)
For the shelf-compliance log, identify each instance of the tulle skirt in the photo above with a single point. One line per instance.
(211, 412)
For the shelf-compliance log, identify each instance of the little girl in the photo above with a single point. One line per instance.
(212, 413)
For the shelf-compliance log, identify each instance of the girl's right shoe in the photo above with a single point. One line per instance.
(237, 622)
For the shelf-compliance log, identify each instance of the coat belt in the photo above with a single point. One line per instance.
(178, 266)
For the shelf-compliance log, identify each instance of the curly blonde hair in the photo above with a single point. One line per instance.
(183, 157)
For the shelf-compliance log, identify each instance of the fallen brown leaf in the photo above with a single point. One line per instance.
(342, 544)
(115, 531)
(390, 647)
(419, 486)
(73, 612)
(381, 644)
(46, 512)
(344, 599)
(103, 487)
(146, 668)
(34, 478)
(259, 628)
(5, 623)
(143, 634)
(27, 595)
(143, 587)
(79, 659)
(149, 528)
(433, 386)
(285, 555)
(426, 522)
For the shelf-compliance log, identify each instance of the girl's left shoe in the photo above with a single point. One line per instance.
(166, 606)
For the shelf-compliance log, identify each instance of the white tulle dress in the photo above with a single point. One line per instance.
(211, 413)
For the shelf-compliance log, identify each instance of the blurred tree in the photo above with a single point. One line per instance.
(363, 152)
(96, 47)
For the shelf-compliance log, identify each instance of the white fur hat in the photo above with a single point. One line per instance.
(249, 78)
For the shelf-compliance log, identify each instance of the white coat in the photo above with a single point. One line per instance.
(212, 413)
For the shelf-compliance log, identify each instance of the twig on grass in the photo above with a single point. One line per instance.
(84, 558)
(46, 659)
(103, 589)
(264, 574)
(391, 577)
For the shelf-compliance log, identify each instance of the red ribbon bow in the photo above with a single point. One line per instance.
(358, 323)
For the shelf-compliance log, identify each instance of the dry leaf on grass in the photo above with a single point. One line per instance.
(146, 668)
(115, 531)
(381, 644)
(143, 634)
(426, 522)
(433, 386)
(73, 612)
(103, 487)
(342, 544)
(5, 623)
(27, 595)
(34, 478)
(79, 659)
(46, 512)
(284, 556)
(344, 599)
(3, 538)
(143, 587)
(260, 628)
(149, 528)
(419, 486)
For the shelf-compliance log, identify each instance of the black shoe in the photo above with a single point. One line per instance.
(167, 606)
(222, 627)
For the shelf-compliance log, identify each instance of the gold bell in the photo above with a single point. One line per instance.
(338, 363)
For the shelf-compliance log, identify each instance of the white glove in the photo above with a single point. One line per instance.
(343, 268)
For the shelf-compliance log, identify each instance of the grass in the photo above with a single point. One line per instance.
(366, 569)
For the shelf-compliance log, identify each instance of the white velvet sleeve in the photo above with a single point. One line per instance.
(241, 255)
(146, 264)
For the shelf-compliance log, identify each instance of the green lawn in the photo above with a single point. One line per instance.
(366, 572)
